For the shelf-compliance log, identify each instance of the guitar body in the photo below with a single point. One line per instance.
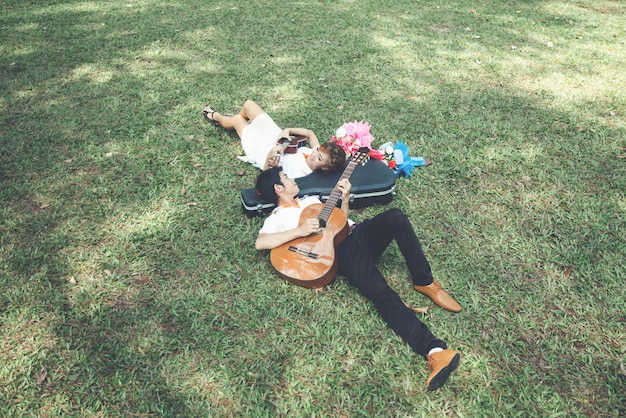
(310, 261)
(295, 142)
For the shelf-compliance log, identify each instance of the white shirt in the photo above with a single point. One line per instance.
(284, 218)
(294, 165)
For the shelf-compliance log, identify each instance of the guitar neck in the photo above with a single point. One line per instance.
(335, 195)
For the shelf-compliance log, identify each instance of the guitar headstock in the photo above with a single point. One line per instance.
(361, 155)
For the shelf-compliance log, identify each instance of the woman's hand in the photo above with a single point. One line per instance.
(274, 161)
(276, 149)
(310, 135)
(273, 157)
(284, 134)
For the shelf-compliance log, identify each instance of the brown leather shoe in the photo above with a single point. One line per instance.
(441, 365)
(439, 296)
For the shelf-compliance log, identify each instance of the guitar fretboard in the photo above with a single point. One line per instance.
(335, 195)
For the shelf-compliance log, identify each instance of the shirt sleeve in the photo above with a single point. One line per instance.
(271, 225)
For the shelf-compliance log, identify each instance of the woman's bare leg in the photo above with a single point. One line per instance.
(248, 112)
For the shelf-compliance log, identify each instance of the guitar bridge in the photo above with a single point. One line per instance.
(305, 253)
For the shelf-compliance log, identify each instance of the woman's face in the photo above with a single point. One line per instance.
(318, 159)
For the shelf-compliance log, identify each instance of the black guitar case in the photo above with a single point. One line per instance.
(373, 183)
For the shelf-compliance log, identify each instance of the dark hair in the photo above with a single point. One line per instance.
(336, 154)
(265, 183)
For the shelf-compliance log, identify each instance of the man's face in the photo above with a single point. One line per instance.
(289, 185)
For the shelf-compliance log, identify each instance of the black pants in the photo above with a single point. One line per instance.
(357, 256)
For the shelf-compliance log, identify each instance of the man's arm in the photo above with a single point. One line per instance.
(265, 241)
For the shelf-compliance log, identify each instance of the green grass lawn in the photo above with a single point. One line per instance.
(129, 282)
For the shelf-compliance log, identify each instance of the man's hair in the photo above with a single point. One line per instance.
(265, 183)
(337, 156)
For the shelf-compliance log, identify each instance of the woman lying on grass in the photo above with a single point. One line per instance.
(260, 137)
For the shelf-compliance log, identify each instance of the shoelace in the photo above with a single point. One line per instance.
(436, 287)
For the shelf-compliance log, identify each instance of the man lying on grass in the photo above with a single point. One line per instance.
(357, 256)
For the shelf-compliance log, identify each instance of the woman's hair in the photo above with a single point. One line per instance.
(336, 154)
(265, 183)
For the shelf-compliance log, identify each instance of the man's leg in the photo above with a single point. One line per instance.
(393, 224)
(357, 264)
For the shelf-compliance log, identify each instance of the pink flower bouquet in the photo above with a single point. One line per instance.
(353, 135)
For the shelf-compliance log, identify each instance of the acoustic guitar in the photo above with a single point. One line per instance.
(310, 261)
(290, 145)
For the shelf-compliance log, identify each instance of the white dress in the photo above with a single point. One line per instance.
(258, 138)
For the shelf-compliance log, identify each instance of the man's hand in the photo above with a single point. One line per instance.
(344, 186)
(310, 226)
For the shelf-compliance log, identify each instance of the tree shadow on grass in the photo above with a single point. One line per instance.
(94, 159)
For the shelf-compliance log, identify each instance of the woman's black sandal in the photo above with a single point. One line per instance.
(209, 115)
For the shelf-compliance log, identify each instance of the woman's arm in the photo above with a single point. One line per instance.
(310, 135)
(273, 157)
